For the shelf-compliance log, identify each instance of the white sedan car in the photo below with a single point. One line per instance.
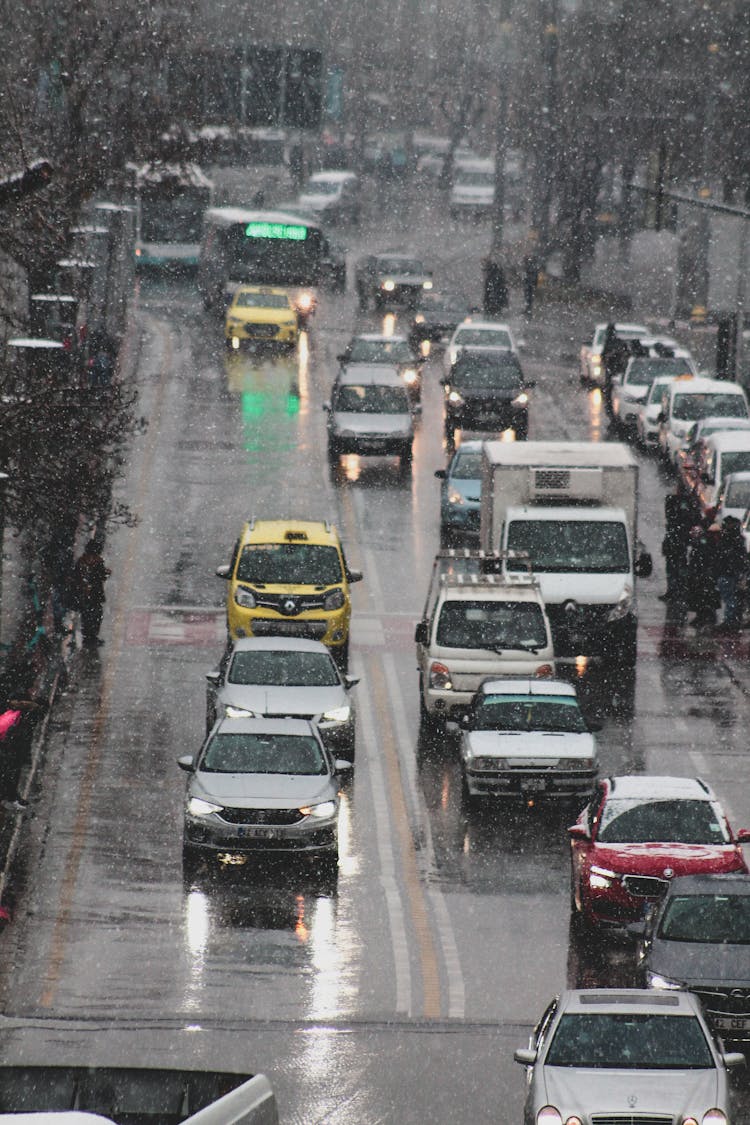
(527, 739)
(473, 332)
(592, 368)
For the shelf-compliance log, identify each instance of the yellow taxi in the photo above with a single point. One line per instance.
(290, 578)
(262, 314)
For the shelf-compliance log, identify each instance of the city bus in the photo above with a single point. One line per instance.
(262, 248)
(170, 202)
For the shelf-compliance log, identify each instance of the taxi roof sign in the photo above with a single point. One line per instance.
(289, 232)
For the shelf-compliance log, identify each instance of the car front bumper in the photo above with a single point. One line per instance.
(547, 784)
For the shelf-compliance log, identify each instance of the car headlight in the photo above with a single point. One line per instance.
(481, 763)
(410, 375)
(334, 600)
(238, 712)
(427, 285)
(419, 319)
(338, 714)
(389, 285)
(245, 598)
(601, 878)
(575, 763)
(711, 1117)
(455, 397)
(440, 677)
(455, 497)
(656, 980)
(549, 1116)
(321, 811)
(198, 807)
(305, 302)
(521, 400)
(624, 605)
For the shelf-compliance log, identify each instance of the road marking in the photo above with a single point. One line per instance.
(404, 734)
(382, 812)
(82, 819)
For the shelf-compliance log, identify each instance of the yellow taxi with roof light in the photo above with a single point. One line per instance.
(290, 578)
(263, 315)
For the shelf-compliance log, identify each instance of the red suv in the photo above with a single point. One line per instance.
(636, 834)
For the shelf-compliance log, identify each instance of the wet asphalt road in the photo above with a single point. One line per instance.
(398, 993)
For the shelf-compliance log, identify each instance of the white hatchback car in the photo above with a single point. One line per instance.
(632, 389)
(686, 401)
(474, 332)
(527, 738)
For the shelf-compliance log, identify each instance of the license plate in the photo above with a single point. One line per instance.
(258, 833)
(533, 785)
(732, 1023)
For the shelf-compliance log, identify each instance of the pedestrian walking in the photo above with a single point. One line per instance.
(495, 287)
(681, 513)
(19, 711)
(530, 281)
(615, 355)
(731, 571)
(702, 591)
(89, 576)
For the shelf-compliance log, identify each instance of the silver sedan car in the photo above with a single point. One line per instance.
(284, 677)
(622, 1054)
(261, 786)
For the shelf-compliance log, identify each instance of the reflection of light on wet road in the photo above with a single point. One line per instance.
(445, 792)
(425, 347)
(389, 324)
(348, 861)
(268, 389)
(595, 414)
(197, 924)
(303, 368)
(352, 466)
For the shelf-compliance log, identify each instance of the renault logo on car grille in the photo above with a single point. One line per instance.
(288, 606)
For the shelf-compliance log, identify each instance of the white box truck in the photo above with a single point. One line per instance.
(572, 507)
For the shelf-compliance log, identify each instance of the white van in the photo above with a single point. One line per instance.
(473, 191)
(686, 401)
(720, 455)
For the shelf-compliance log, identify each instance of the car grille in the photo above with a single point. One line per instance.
(724, 1002)
(631, 1119)
(261, 816)
(644, 886)
(289, 604)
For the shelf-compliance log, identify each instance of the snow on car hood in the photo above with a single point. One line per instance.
(584, 589)
(286, 701)
(261, 790)
(674, 1093)
(530, 745)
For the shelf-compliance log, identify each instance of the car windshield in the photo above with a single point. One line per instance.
(657, 391)
(379, 351)
(289, 564)
(737, 494)
(689, 407)
(491, 625)
(710, 919)
(467, 466)
(736, 462)
(279, 667)
(485, 373)
(263, 753)
(370, 398)
(483, 338)
(262, 301)
(625, 1041)
(400, 265)
(642, 372)
(528, 713)
(565, 546)
(323, 187)
(678, 821)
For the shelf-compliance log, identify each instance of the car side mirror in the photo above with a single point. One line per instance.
(743, 836)
(578, 832)
(440, 474)
(354, 576)
(223, 571)
(186, 763)
(351, 681)
(644, 565)
(420, 633)
(343, 766)
(525, 1055)
(213, 678)
(326, 407)
(733, 1060)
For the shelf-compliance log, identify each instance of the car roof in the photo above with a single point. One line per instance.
(527, 687)
(621, 326)
(642, 786)
(698, 385)
(727, 423)
(473, 446)
(357, 374)
(635, 1000)
(728, 440)
(735, 478)
(474, 322)
(729, 883)
(379, 338)
(289, 530)
(278, 644)
(264, 726)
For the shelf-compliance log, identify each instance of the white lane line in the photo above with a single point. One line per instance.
(446, 936)
(389, 882)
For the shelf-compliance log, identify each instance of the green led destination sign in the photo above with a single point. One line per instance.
(290, 232)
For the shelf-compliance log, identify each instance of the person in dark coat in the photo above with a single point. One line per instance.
(530, 281)
(702, 592)
(615, 355)
(89, 576)
(731, 572)
(19, 711)
(681, 513)
(495, 287)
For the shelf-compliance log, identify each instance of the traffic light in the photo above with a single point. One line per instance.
(16, 187)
